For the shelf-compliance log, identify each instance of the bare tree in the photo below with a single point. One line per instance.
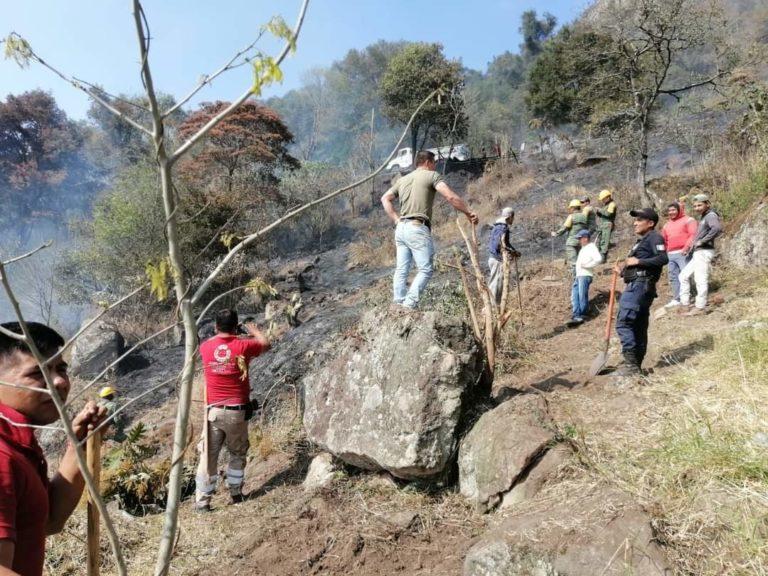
(650, 39)
(266, 69)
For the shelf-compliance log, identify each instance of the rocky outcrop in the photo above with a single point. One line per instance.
(503, 448)
(582, 535)
(96, 349)
(749, 246)
(393, 395)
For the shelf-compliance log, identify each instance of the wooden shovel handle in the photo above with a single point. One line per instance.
(611, 305)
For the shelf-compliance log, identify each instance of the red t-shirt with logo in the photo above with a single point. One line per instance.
(225, 365)
(23, 493)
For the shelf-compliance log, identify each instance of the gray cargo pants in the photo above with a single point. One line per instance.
(226, 428)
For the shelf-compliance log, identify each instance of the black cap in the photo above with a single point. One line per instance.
(645, 214)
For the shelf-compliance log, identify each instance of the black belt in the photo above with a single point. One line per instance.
(424, 221)
(235, 407)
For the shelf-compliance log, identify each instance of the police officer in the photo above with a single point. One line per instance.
(641, 271)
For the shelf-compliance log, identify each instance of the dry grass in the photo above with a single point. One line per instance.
(375, 250)
(693, 444)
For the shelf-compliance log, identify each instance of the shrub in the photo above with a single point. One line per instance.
(138, 484)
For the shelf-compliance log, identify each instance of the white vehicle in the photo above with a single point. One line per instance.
(404, 157)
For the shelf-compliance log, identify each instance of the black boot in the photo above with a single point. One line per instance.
(629, 366)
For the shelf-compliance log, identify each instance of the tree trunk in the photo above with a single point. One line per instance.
(642, 159)
(414, 143)
(180, 442)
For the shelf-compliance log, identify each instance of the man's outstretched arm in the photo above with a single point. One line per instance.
(388, 201)
(455, 201)
(258, 335)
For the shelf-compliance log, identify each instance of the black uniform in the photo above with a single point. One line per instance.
(635, 302)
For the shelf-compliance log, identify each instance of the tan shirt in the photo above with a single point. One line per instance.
(416, 193)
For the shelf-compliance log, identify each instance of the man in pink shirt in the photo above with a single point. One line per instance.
(228, 393)
(678, 233)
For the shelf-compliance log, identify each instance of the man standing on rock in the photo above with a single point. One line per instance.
(641, 270)
(498, 242)
(413, 226)
(228, 404)
(606, 222)
(702, 251)
(32, 506)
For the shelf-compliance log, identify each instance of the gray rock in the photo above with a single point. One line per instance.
(545, 470)
(495, 557)
(96, 349)
(749, 246)
(626, 545)
(320, 472)
(393, 395)
(601, 533)
(502, 448)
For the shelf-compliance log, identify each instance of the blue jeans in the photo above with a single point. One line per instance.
(677, 262)
(580, 295)
(414, 245)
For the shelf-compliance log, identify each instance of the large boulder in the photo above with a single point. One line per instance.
(96, 349)
(393, 396)
(749, 246)
(502, 449)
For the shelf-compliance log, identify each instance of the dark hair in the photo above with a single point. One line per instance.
(675, 205)
(424, 156)
(226, 321)
(46, 339)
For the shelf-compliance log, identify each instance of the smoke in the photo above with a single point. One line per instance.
(34, 280)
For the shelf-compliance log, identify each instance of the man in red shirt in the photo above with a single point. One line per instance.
(228, 395)
(31, 505)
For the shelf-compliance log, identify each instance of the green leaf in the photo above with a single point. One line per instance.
(158, 277)
(265, 72)
(229, 238)
(18, 49)
(278, 28)
(261, 287)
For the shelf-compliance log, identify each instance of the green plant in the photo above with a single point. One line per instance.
(134, 480)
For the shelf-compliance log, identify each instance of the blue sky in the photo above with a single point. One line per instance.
(95, 39)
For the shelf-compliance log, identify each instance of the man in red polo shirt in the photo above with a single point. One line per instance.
(228, 393)
(31, 505)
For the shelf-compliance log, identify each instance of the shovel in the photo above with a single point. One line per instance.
(599, 362)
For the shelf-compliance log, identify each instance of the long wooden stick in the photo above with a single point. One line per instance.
(470, 302)
(519, 293)
(206, 434)
(93, 454)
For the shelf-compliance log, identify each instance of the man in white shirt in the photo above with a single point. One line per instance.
(589, 257)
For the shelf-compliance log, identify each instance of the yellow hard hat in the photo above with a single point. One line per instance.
(604, 194)
(106, 391)
(574, 204)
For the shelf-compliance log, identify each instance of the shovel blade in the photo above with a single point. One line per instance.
(598, 364)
